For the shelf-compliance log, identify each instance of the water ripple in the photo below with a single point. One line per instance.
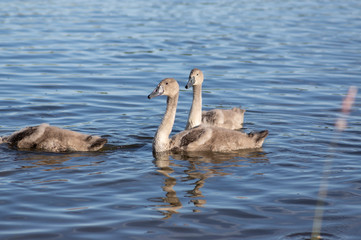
(89, 66)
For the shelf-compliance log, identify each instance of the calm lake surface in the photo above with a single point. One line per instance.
(89, 66)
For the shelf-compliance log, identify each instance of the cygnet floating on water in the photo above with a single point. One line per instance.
(52, 139)
(225, 118)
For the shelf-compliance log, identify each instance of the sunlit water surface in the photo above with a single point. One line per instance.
(89, 66)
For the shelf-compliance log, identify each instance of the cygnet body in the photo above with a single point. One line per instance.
(53, 139)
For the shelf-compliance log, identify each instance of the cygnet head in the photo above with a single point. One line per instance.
(168, 87)
(195, 78)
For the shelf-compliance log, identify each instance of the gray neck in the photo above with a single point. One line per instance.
(161, 138)
(195, 115)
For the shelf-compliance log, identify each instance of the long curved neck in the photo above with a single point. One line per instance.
(161, 138)
(195, 115)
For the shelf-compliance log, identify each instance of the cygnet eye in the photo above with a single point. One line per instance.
(166, 83)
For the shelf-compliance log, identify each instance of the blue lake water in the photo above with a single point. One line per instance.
(89, 66)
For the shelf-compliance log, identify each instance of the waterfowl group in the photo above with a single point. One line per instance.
(203, 137)
(211, 131)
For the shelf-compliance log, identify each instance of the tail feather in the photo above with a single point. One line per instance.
(239, 110)
(259, 136)
(262, 135)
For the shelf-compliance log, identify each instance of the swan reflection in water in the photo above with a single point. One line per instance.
(199, 167)
(50, 161)
(55, 161)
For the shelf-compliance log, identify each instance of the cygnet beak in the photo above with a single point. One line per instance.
(156, 92)
(190, 82)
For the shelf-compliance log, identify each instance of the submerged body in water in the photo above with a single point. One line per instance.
(53, 139)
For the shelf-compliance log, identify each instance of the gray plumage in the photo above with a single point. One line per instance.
(53, 139)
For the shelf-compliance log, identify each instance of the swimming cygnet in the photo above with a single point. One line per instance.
(53, 139)
(226, 118)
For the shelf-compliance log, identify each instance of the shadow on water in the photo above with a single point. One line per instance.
(200, 166)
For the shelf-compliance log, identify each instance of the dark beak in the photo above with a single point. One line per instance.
(156, 92)
(190, 82)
